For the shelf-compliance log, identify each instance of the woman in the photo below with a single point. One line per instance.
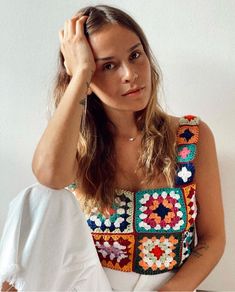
(143, 178)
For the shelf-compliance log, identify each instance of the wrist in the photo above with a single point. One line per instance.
(82, 78)
(84, 73)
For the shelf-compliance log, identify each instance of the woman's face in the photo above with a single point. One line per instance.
(129, 68)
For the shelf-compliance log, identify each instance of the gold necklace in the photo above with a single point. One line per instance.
(131, 139)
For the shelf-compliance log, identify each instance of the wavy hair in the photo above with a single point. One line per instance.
(96, 155)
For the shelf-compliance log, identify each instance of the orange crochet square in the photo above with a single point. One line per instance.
(187, 134)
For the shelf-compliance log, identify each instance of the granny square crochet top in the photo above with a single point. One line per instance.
(152, 231)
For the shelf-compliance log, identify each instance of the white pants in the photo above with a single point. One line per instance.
(46, 245)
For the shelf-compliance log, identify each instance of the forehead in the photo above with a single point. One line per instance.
(112, 38)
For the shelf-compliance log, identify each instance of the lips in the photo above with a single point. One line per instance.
(133, 90)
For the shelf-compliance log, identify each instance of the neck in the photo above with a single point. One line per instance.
(124, 125)
(127, 137)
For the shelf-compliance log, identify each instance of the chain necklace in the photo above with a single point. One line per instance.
(130, 139)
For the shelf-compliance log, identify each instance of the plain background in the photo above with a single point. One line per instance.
(193, 41)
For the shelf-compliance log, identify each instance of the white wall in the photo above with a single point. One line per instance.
(192, 40)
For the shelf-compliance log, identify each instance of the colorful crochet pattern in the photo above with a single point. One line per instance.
(152, 231)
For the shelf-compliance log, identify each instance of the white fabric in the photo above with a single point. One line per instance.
(46, 244)
(130, 281)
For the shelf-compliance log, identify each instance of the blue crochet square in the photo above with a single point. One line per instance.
(185, 173)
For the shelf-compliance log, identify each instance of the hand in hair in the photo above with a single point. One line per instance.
(75, 48)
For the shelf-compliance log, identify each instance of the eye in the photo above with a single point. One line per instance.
(136, 53)
(107, 66)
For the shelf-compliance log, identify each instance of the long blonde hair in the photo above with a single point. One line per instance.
(96, 155)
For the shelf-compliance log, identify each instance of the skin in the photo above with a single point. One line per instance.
(130, 68)
(209, 221)
(7, 287)
(115, 40)
(114, 77)
(109, 85)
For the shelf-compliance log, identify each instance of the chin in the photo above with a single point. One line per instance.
(138, 108)
(142, 105)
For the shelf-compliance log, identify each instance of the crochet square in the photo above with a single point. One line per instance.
(186, 153)
(189, 120)
(191, 204)
(120, 216)
(188, 244)
(71, 187)
(187, 134)
(185, 173)
(160, 210)
(115, 251)
(157, 254)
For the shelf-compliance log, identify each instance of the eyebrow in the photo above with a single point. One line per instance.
(112, 57)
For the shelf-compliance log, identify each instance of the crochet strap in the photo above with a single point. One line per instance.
(187, 139)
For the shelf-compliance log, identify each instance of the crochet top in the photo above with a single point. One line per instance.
(152, 231)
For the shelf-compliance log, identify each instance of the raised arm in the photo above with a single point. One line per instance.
(54, 162)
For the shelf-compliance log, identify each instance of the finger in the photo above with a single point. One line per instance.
(66, 29)
(77, 16)
(80, 25)
(72, 24)
(72, 27)
(61, 35)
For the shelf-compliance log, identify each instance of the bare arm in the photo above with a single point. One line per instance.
(209, 221)
(54, 161)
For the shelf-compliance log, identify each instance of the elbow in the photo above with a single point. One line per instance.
(223, 245)
(217, 242)
(220, 247)
(50, 178)
(221, 239)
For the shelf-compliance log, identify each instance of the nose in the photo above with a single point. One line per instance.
(129, 74)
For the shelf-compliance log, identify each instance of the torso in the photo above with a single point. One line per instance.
(127, 154)
(150, 229)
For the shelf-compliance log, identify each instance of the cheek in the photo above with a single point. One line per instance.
(102, 88)
(144, 69)
(148, 77)
(147, 68)
(104, 84)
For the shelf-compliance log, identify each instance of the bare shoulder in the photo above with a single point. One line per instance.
(206, 146)
(210, 219)
(206, 136)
